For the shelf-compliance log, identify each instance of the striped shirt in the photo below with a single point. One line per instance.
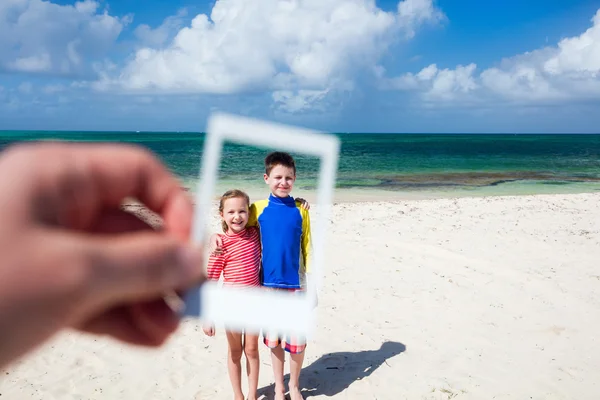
(239, 261)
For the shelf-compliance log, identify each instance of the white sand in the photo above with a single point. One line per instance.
(475, 298)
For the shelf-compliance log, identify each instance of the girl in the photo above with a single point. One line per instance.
(239, 261)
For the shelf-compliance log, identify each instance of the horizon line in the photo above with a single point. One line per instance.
(2, 131)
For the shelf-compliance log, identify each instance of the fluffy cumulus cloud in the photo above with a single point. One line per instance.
(413, 13)
(293, 56)
(435, 83)
(578, 56)
(301, 51)
(39, 36)
(159, 36)
(568, 71)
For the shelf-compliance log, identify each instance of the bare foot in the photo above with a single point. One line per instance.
(279, 394)
(295, 394)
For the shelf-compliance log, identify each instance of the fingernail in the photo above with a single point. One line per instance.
(190, 259)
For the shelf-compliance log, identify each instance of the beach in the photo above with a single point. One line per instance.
(490, 297)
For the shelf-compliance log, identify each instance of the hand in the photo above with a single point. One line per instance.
(209, 329)
(215, 245)
(71, 258)
(303, 203)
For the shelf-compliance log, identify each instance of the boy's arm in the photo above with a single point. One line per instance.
(255, 211)
(306, 244)
(252, 216)
(306, 247)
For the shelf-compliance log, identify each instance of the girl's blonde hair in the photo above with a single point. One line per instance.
(231, 194)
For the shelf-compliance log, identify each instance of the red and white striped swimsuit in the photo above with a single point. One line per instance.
(240, 259)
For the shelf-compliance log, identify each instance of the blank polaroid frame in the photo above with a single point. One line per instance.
(255, 308)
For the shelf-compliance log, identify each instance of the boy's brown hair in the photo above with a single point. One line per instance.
(279, 158)
(231, 194)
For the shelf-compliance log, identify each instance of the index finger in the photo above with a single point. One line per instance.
(121, 171)
(96, 177)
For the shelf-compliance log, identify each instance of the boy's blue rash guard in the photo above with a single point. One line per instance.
(285, 238)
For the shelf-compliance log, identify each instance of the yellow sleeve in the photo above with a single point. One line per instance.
(252, 217)
(306, 246)
(256, 209)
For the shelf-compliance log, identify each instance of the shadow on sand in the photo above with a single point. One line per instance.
(332, 373)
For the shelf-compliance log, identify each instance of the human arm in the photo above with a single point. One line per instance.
(306, 240)
(303, 203)
(306, 250)
(216, 264)
(215, 243)
(70, 257)
(252, 215)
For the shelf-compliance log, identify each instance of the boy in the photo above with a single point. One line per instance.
(284, 225)
(285, 236)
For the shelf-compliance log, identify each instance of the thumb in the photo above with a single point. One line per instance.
(142, 265)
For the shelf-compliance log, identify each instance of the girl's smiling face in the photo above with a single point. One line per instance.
(235, 214)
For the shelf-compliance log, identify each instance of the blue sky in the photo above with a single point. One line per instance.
(334, 65)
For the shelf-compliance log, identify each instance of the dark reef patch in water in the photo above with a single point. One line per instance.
(455, 180)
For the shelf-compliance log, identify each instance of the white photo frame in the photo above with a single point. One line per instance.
(256, 309)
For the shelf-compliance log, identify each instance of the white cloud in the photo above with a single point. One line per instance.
(570, 70)
(299, 101)
(437, 84)
(299, 50)
(42, 37)
(416, 12)
(579, 56)
(427, 73)
(162, 34)
(520, 82)
(36, 63)
(299, 55)
(448, 83)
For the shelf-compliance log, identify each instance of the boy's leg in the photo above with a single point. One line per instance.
(296, 346)
(295, 368)
(278, 360)
(252, 363)
(272, 341)
(234, 365)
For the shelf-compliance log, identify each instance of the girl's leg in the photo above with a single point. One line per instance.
(252, 363)
(234, 365)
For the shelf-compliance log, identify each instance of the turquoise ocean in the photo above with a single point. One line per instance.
(387, 166)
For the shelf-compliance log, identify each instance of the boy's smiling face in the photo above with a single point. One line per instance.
(281, 180)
